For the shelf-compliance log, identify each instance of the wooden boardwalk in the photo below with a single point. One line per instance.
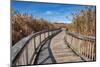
(53, 46)
(56, 50)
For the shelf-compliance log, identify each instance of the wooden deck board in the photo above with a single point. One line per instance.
(56, 50)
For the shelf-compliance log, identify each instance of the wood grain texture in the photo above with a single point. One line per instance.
(56, 50)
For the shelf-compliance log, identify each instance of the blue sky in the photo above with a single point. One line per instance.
(49, 12)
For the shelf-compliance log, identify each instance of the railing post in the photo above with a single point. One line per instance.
(94, 51)
(48, 33)
(34, 45)
(27, 54)
(85, 47)
(40, 38)
(44, 35)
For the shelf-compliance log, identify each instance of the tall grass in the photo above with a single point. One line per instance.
(23, 25)
(84, 22)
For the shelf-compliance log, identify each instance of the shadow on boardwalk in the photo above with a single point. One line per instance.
(45, 55)
(55, 50)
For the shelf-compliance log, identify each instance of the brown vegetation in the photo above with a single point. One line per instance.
(84, 22)
(60, 25)
(23, 25)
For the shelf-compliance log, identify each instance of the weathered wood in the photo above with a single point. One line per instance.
(84, 46)
(83, 37)
(26, 49)
(56, 50)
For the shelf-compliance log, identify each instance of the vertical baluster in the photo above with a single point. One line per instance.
(18, 62)
(77, 44)
(80, 48)
(30, 51)
(48, 33)
(75, 47)
(83, 48)
(88, 56)
(24, 52)
(86, 48)
(94, 51)
(27, 54)
(22, 58)
(34, 45)
(44, 35)
(90, 51)
(40, 38)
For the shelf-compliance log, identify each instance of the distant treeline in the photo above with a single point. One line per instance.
(84, 22)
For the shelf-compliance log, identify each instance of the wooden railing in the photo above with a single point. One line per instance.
(25, 51)
(84, 46)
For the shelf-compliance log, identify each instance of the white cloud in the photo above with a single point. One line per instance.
(48, 12)
(68, 22)
(51, 12)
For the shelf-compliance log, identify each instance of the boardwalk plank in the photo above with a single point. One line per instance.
(56, 50)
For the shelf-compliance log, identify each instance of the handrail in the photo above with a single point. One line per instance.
(82, 45)
(83, 37)
(20, 46)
